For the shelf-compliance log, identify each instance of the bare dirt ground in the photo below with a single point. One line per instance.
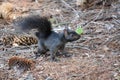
(95, 56)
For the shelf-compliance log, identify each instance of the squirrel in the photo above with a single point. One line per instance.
(48, 40)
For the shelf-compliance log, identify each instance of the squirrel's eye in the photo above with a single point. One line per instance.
(72, 35)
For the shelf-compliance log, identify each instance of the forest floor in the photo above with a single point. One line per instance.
(95, 56)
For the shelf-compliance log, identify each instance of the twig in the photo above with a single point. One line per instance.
(75, 12)
(91, 72)
(67, 5)
(62, 23)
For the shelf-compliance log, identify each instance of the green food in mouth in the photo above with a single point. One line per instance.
(79, 30)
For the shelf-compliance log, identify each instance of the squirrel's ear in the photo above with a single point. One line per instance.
(65, 32)
(66, 28)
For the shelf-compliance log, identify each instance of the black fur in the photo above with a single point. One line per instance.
(48, 40)
(42, 24)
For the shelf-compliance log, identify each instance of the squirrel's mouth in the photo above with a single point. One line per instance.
(73, 38)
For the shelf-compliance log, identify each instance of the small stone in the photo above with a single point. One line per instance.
(49, 78)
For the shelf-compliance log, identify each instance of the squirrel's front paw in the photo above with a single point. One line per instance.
(67, 55)
(55, 60)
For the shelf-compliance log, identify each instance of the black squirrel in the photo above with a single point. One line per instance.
(48, 40)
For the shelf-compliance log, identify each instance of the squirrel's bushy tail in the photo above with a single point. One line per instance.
(42, 24)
